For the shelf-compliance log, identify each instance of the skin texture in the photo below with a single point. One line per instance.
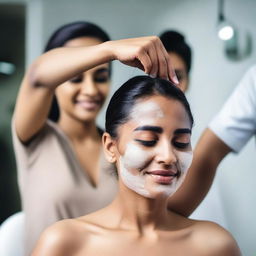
(78, 90)
(133, 224)
(136, 157)
(181, 71)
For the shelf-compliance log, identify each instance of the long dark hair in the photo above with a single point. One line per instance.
(124, 99)
(68, 32)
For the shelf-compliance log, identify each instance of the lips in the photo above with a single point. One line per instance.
(163, 176)
(89, 105)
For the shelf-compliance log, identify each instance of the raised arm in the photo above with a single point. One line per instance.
(59, 65)
(208, 154)
(45, 74)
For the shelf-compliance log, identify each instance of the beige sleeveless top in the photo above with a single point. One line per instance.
(53, 185)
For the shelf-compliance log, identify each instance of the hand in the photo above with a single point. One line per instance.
(145, 53)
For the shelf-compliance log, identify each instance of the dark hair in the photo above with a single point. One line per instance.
(124, 99)
(74, 30)
(175, 42)
(68, 32)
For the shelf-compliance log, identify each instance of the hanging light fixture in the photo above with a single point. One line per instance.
(226, 30)
(6, 68)
(237, 43)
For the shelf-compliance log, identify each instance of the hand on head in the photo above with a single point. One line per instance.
(145, 53)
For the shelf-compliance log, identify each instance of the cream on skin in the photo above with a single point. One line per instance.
(135, 162)
(146, 112)
(135, 158)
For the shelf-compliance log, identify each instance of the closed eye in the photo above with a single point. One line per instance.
(181, 145)
(76, 79)
(147, 143)
(102, 79)
(102, 75)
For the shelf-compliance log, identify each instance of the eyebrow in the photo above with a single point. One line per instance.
(101, 70)
(185, 130)
(160, 130)
(149, 128)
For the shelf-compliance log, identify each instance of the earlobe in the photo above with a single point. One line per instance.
(109, 147)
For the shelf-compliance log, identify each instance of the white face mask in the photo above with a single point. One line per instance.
(146, 112)
(136, 163)
(134, 159)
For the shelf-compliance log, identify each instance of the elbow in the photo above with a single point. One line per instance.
(35, 75)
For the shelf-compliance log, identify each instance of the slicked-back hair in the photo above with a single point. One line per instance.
(139, 87)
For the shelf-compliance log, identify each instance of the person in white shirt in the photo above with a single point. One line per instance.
(228, 132)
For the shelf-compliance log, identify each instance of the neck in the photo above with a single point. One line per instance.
(140, 213)
(78, 130)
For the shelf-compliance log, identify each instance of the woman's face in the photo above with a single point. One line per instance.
(153, 150)
(83, 96)
(180, 70)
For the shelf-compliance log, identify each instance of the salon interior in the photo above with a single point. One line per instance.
(222, 36)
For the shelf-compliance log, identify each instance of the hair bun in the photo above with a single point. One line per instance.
(173, 36)
(174, 41)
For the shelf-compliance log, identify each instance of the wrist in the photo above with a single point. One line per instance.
(108, 51)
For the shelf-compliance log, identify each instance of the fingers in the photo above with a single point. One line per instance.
(170, 70)
(161, 65)
(172, 75)
(146, 61)
(152, 58)
(153, 55)
(146, 53)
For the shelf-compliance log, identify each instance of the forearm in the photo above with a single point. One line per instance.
(59, 65)
(46, 73)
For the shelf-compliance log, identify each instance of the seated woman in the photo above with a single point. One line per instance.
(148, 129)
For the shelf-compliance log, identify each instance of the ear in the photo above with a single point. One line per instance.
(109, 146)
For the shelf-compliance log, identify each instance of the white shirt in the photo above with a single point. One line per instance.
(235, 124)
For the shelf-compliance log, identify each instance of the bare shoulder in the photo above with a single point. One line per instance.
(214, 240)
(65, 237)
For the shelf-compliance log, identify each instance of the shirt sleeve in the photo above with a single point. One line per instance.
(235, 124)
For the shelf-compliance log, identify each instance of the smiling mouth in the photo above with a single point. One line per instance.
(89, 105)
(164, 177)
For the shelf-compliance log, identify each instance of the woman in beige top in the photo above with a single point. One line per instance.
(61, 174)
(148, 139)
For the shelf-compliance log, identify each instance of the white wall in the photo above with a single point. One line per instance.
(232, 199)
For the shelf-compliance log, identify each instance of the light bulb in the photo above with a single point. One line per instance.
(226, 32)
(7, 68)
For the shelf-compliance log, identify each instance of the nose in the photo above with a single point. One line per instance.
(89, 87)
(166, 154)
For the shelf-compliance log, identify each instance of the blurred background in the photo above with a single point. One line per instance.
(217, 67)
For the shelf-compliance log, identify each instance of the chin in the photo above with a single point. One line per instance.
(162, 191)
(87, 117)
(163, 194)
(84, 119)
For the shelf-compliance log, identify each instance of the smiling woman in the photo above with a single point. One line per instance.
(149, 133)
(148, 139)
(56, 181)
